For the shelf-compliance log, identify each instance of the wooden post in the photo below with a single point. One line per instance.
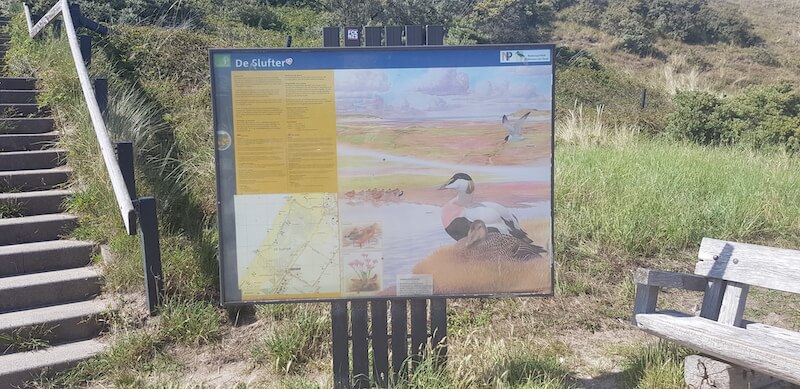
(644, 98)
(419, 330)
(151, 251)
(394, 36)
(352, 36)
(415, 36)
(358, 319)
(373, 36)
(86, 49)
(380, 344)
(434, 35)
(330, 37)
(341, 364)
(399, 339)
(439, 329)
(101, 95)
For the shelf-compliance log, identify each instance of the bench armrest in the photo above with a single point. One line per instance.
(668, 279)
(649, 282)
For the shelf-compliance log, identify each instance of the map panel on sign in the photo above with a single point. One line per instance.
(288, 245)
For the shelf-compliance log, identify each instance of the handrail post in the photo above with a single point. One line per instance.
(56, 28)
(151, 253)
(101, 95)
(126, 166)
(86, 49)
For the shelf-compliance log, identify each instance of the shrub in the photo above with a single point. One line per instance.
(693, 116)
(761, 117)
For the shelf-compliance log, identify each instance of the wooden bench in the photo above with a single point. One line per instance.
(740, 353)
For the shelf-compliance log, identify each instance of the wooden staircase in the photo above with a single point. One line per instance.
(49, 309)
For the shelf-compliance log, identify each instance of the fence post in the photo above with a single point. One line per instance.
(101, 95)
(341, 363)
(151, 251)
(126, 167)
(86, 48)
(56, 28)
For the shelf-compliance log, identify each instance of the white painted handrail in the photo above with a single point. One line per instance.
(107, 149)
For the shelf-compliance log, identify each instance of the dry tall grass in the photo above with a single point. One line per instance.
(584, 129)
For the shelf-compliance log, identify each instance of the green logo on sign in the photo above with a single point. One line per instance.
(222, 60)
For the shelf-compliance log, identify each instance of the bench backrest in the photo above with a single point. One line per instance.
(750, 264)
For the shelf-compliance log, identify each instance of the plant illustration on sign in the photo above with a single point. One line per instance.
(366, 281)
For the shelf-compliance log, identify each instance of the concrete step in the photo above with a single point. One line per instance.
(26, 125)
(49, 288)
(44, 256)
(29, 229)
(30, 160)
(18, 96)
(16, 369)
(28, 180)
(23, 142)
(54, 325)
(33, 203)
(22, 110)
(17, 83)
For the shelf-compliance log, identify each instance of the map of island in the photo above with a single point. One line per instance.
(289, 246)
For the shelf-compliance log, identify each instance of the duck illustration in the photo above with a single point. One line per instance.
(461, 211)
(514, 128)
(480, 244)
(360, 237)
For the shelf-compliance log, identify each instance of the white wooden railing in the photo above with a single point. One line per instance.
(112, 166)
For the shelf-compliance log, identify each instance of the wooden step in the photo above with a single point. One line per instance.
(17, 369)
(18, 96)
(17, 83)
(30, 180)
(44, 256)
(54, 324)
(21, 110)
(16, 125)
(23, 142)
(29, 229)
(33, 203)
(31, 160)
(49, 288)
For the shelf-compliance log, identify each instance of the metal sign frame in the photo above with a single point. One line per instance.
(226, 219)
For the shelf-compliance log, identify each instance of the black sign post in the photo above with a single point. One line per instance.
(356, 325)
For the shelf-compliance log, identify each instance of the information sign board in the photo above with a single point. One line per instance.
(382, 172)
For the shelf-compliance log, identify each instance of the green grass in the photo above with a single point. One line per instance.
(10, 209)
(658, 365)
(298, 339)
(652, 197)
(33, 339)
(190, 322)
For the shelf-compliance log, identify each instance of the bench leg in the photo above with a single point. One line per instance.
(703, 372)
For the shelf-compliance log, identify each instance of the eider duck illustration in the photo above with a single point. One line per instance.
(461, 211)
(480, 244)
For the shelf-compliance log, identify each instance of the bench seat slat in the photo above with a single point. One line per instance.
(790, 337)
(756, 350)
(750, 264)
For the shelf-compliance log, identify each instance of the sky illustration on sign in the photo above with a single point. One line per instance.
(473, 92)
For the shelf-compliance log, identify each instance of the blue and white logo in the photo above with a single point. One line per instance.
(524, 56)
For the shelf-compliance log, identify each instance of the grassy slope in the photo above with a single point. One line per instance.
(637, 203)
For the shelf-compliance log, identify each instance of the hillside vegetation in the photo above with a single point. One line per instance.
(712, 153)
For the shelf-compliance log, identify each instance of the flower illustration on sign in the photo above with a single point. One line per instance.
(366, 280)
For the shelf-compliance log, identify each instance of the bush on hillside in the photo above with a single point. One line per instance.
(582, 80)
(761, 117)
(636, 23)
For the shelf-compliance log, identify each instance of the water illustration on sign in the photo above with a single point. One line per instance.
(468, 149)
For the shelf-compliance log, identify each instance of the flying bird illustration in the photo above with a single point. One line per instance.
(514, 127)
